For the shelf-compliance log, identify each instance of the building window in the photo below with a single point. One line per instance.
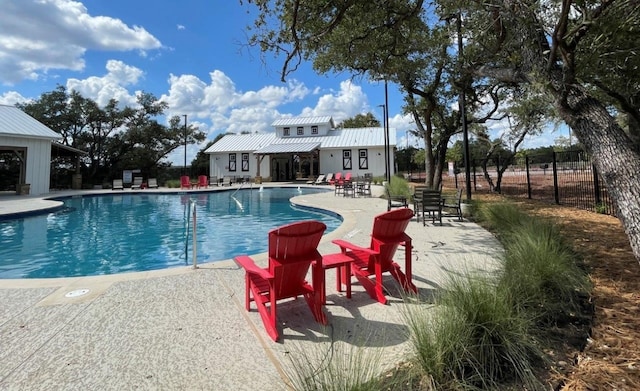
(232, 162)
(300, 130)
(286, 132)
(314, 130)
(363, 161)
(245, 162)
(346, 159)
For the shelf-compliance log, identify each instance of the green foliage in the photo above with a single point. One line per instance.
(172, 183)
(114, 138)
(360, 121)
(336, 366)
(399, 186)
(541, 273)
(488, 332)
(475, 338)
(200, 165)
(601, 208)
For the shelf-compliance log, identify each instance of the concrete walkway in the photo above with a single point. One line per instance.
(187, 329)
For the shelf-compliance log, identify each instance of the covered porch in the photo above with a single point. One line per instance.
(290, 162)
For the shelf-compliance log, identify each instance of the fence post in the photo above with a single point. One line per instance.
(498, 173)
(475, 187)
(556, 192)
(596, 184)
(526, 165)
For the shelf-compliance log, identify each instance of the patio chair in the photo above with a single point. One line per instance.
(203, 181)
(328, 178)
(137, 183)
(452, 204)
(117, 185)
(319, 180)
(185, 182)
(428, 202)
(396, 201)
(226, 181)
(152, 183)
(336, 178)
(387, 234)
(292, 251)
(363, 188)
(213, 181)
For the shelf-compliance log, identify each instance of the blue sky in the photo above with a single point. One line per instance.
(192, 54)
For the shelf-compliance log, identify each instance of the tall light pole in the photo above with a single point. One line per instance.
(408, 156)
(185, 145)
(463, 113)
(386, 132)
(386, 142)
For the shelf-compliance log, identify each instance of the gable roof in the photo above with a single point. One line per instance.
(15, 122)
(242, 142)
(301, 121)
(336, 139)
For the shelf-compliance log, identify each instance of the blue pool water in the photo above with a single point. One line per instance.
(119, 233)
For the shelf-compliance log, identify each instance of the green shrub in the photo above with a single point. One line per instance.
(399, 187)
(172, 183)
(335, 366)
(474, 338)
(542, 273)
(501, 217)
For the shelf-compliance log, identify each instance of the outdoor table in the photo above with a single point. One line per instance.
(342, 262)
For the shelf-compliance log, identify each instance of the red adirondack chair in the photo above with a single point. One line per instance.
(203, 181)
(336, 178)
(292, 250)
(185, 182)
(347, 178)
(388, 233)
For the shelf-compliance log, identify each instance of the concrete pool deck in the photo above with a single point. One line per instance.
(187, 329)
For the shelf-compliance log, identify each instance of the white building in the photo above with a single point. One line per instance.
(23, 136)
(302, 147)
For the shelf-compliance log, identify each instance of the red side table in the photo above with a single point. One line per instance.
(342, 262)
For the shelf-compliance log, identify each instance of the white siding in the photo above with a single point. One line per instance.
(38, 163)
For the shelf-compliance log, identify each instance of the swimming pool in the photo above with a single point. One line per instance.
(117, 233)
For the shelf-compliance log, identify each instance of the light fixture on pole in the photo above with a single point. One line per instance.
(463, 114)
(185, 145)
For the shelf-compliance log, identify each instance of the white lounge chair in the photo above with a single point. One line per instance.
(117, 185)
(328, 178)
(137, 183)
(152, 183)
(320, 180)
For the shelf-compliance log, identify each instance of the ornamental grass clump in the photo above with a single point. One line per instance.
(335, 366)
(542, 273)
(475, 338)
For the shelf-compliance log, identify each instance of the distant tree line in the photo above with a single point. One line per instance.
(115, 137)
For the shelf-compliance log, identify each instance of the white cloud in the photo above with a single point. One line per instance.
(110, 86)
(349, 101)
(227, 108)
(10, 98)
(38, 36)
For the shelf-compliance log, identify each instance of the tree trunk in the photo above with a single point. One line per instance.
(613, 154)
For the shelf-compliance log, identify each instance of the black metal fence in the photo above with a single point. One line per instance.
(566, 178)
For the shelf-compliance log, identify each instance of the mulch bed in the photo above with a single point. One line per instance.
(611, 358)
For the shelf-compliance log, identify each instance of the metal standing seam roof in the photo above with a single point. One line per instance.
(301, 121)
(338, 138)
(288, 148)
(242, 142)
(15, 122)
